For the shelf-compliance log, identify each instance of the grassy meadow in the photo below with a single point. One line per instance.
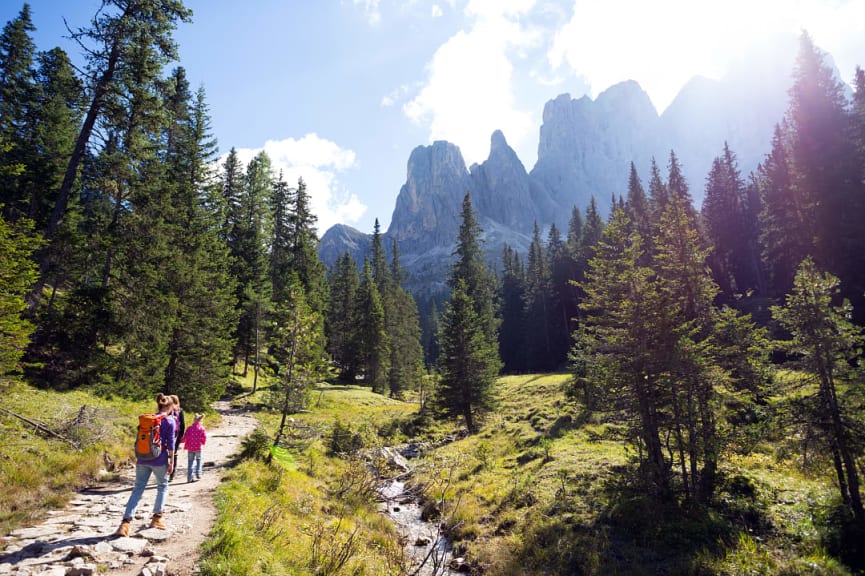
(544, 488)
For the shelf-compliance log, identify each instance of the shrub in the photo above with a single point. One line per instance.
(256, 446)
(343, 440)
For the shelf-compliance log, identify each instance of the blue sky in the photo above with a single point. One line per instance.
(340, 91)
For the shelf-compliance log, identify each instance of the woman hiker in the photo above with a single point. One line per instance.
(160, 467)
(181, 430)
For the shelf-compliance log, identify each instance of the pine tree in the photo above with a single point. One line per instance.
(55, 120)
(17, 273)
(512, 335)
(469, 358)
(825, 170)
(471, 269)
(688, 292)
(380, 270)
(406, 360)
(659, 194)
(637, 205)
(538, 307)
(561, 310)
(576, 266)
(17, 84)
(728, 215)
(200, 345)
(304, 249)
(341, 319)
(281, 268)
(828, 344)
(468, 363)
(120, 30)
(301, 362)
(233, 184)
(371, 336)
(786, 237)
(616, 358)
(251, 259)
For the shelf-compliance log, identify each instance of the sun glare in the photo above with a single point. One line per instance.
(663, 44)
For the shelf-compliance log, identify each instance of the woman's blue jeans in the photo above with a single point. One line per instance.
(193, 465)
(142, 475)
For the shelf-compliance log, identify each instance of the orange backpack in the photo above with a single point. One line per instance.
(148, 444)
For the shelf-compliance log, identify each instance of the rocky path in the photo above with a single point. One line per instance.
(79, 541)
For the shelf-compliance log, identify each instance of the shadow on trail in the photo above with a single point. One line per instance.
(41, 548)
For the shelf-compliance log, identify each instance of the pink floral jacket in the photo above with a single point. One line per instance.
(195, 437)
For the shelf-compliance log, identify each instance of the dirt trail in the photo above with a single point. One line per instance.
(79, 539)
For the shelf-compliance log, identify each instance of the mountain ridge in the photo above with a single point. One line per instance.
(585, 150)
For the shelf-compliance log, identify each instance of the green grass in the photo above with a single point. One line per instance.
(309, 508)
(39, 472)
(543, 489)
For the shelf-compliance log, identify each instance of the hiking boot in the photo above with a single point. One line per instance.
(123, 529)
(156, 522)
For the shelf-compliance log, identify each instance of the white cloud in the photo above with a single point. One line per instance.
(371, 8)
(436, 11)
(318, 162)
(662, 44)
(390, 99)
(468, 92)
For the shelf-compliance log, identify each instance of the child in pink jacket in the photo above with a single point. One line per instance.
(193, 440)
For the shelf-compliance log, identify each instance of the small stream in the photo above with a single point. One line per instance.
(427, 548)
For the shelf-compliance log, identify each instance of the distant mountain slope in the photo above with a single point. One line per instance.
(585, 149)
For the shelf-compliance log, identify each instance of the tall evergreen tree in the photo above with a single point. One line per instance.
(17, 84)
(17, 272)
(677, 186)
(637, 205)
(371, 336)
(688, 292)
(786, 237)
(538, 307)
(406, 360)
(119, 31)
(378, 259)
(659, 194)
(471, 268)
(54, 123)
(616, 360)
(281, 268)
(827, 342)
(300, 355)
(304, 249)
(728, 217)
(468, 363)
(825, 170)
(512, 335)
(341, 320)
(561, 311)
(251, 259)
(469, 358)
(576, 266)
(200, 346)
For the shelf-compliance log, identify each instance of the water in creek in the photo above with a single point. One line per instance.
(428, 550)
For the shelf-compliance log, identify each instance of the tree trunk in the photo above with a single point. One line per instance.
(257, 347)
(845, 463)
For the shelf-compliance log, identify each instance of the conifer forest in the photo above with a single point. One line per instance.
(135, 259)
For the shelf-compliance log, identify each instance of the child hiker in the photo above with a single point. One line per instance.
(160, 467)
(194, 439)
